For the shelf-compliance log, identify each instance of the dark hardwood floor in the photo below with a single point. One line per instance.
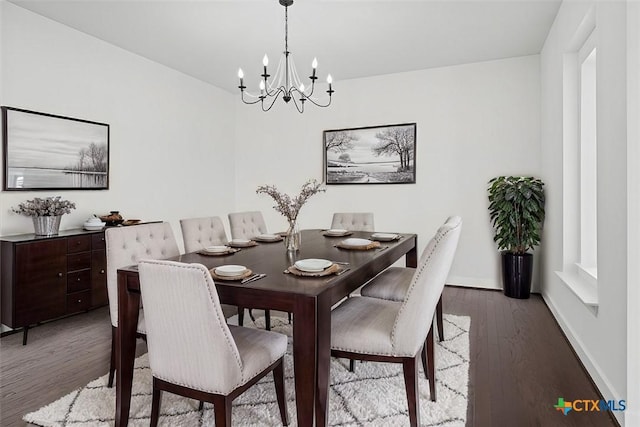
(520, 363)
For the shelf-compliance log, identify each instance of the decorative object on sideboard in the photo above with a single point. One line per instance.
(93, 224)
(371, 155)
(114, 218)
(290, 208)
(286, 81)
(46, 213)
(44, 151)
(516, 209)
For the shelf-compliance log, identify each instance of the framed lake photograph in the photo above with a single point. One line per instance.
(48, 152)
(371, 155)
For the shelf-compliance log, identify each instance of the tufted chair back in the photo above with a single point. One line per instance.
(246, 225)
(416, 314)
(189, 341)
(198, 233)
(128, 245)
(353, 221)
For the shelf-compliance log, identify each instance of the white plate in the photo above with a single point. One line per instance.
(313, 265)
(384, 237)
(268, 237)
(336, 232)
(230, 270)
(240, 241)
(216, 249)
(356, 242)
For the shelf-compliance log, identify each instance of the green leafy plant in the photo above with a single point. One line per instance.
(516, 209)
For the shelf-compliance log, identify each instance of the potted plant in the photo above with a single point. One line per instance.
(516, 209)
(46, 213)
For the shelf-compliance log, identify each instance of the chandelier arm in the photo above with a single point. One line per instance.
(299, 108)
(273, 101)
(250, 102)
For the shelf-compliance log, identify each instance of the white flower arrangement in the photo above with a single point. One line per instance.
(49, 206)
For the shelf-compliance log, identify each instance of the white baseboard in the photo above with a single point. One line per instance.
(473, 282)
(601, 381)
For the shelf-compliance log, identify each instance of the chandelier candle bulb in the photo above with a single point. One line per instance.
(240, 76)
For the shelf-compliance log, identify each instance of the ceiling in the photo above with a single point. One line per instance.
(210, 39)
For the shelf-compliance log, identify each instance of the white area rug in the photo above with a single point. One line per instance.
(372, 396)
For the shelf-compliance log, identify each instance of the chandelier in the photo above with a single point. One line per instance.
(286, 81)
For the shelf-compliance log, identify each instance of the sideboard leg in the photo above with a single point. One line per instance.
(25, 332)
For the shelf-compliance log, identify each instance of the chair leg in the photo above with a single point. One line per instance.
(278, 379)
(425, 364)
(155, 405)
(352, 365)
(112, 363)
(201, 406)
(431, 364)
(439, 315)
(222, 410)
(240, 316)
(410, 371)
(267, 320)
(289, 315)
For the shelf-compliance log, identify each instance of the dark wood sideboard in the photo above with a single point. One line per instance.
(43, 278)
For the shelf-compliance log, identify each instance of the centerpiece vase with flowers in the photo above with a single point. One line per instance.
(46, 213)
(290, 208)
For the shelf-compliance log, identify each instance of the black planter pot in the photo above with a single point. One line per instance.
(516, 274)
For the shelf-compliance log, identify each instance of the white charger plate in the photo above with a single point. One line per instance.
(230, 270)
(354, 241)
(384, 237)
(313, 265)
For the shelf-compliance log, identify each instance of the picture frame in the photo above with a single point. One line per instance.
(371, 155)
(44, 151)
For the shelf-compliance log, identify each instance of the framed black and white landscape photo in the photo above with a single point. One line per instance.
(48, 152)
(371, 155)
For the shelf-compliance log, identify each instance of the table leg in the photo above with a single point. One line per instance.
(324, 360)
(305, 342)
(128, 306)
(411, 258)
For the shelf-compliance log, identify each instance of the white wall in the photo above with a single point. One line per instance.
(474, 122)
(632, 416)
(599, 339)
(171, 135)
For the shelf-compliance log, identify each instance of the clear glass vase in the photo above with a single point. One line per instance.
(292, 238)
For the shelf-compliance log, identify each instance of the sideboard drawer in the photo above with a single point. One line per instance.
(78, 281)
(78, 301)
(78, 244)
(79, 261)
(97, 241)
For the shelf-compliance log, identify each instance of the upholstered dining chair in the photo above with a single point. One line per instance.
(198, 233)
(192, 350)
(374, 329)
(246, 225)
(126, 246)
(354, 221)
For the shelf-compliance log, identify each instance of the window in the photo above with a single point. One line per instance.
(580, 161)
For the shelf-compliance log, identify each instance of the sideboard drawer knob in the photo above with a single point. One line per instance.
(79, 300)
(59, 274)
(78, 279)
(101, 271)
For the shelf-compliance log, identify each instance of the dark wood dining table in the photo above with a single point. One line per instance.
(309, 299)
